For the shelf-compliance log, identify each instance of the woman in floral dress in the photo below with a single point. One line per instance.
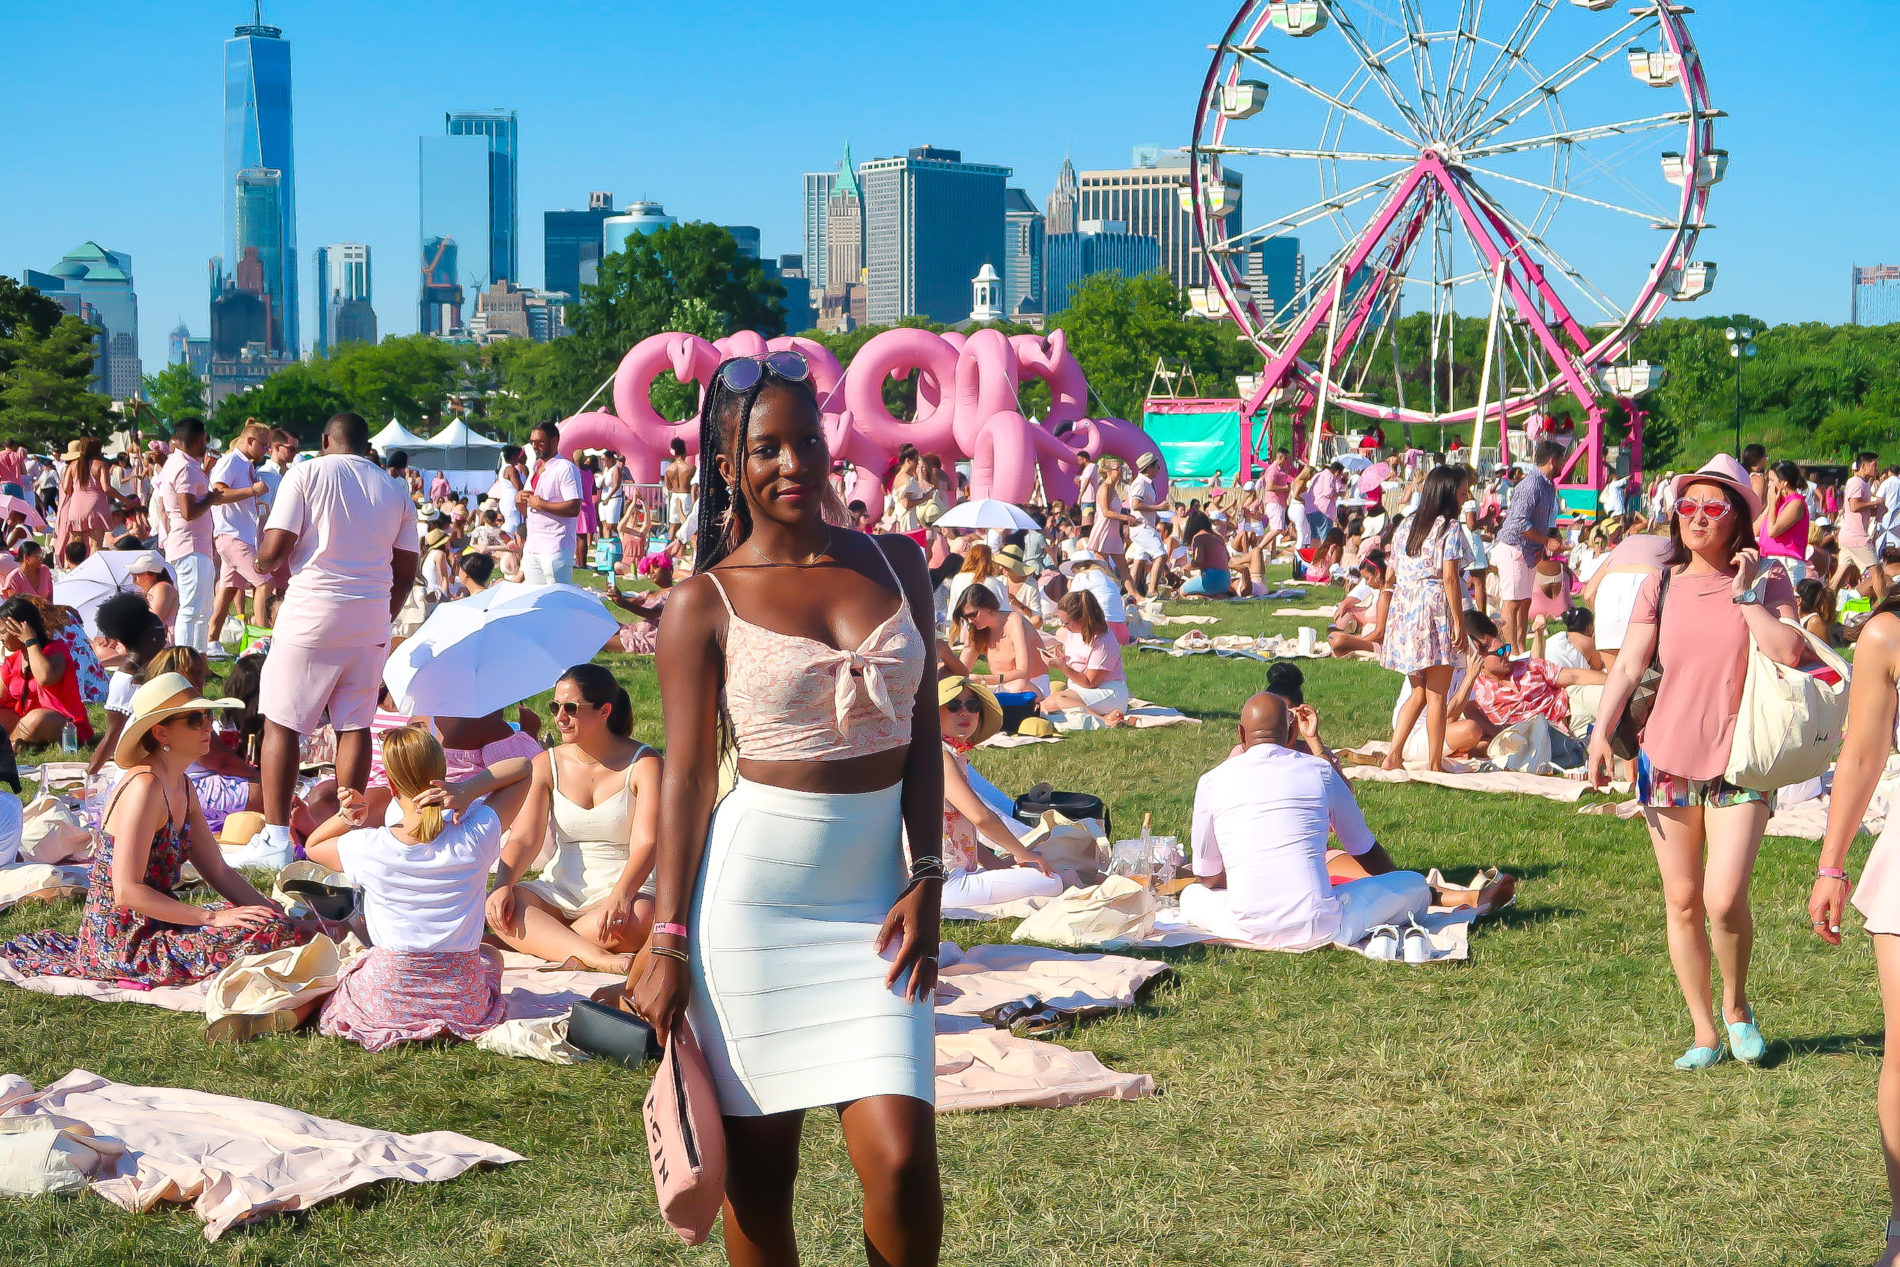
(132, 928)
(1425, 632)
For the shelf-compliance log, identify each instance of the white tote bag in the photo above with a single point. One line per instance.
(1788, 729)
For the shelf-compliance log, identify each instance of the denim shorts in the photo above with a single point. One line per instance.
(1659, 789)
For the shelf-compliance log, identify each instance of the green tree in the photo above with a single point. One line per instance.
(408, 378)
(295, 398)
(1118, 326)
(23, 309)
(46, 391)
(175, 392)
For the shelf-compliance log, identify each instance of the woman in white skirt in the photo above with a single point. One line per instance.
(790, 934)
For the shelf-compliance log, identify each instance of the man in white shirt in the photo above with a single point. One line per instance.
(1261, 823)
(183, 499)
(234, 530)
(283, 452)
(1145, 550)
(552, 505)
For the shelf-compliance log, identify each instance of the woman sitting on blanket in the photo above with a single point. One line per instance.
(1359, 620)
(975, 839)
(1090, 658)
(424, 881)
(600, 792)
(642, 635)
(225, 782)
(1008, 641)
(132, 928)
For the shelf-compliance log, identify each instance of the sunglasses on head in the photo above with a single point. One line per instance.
(571, 708)
(1714, 510)
(963, 705)
(742, 373)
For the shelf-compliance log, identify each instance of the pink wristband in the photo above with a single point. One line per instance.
(672, 930)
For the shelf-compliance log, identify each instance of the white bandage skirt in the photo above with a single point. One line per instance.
(788, 996)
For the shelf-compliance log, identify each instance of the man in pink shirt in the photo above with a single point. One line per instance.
(1859, 505)
(13, 469)
(1274, 483)
(344, 525)
(182, 499)
(552, 505)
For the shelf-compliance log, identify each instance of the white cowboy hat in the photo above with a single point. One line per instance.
(1080, 559)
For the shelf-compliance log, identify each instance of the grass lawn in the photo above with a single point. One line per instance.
(1315, 1109)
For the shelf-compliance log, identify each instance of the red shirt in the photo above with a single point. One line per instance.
(1532, 690)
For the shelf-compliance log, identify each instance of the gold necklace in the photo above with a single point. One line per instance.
(811, 562)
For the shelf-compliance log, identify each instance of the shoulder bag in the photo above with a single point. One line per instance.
(1790, 723)
(1627, 739)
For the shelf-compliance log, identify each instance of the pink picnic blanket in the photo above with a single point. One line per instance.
(980, 978)
(993, 1069)
(235, 1160)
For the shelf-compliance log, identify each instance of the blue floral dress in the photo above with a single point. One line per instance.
(1418, 631)
(116, 943)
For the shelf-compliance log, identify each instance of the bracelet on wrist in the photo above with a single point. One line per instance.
(668, 952)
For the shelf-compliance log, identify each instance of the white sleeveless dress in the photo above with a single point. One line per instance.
(590, 846)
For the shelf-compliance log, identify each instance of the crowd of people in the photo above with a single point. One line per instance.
(843, 661)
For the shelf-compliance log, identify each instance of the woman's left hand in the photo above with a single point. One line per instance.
(351, 806)
(455, 797)
(17, 630)
(1029, 858)
(1826, 905)
(617, 917)
(1747, 564)
(914, 925)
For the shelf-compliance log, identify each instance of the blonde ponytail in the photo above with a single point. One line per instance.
(415, 762)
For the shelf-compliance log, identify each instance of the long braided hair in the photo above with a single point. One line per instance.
(725, 421)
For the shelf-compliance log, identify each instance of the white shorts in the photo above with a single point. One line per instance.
(1144, 543)
(1616, 599)
(1106, 698)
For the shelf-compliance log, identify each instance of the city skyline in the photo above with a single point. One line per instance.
(360, 108)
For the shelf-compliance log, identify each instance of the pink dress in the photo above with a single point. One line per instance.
(1105, 537)
(1877, 892)
(588, 522)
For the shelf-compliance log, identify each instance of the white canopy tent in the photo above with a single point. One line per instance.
(461, 448)
(397, 436)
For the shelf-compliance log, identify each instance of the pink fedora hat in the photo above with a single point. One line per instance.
(1726, 471)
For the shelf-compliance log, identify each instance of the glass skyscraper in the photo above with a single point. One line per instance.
(931, 221)
(257, 136)
(469, 197)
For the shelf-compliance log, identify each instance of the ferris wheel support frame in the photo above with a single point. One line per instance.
(1510, 248)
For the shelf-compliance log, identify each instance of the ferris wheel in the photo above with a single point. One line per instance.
(1543, 164)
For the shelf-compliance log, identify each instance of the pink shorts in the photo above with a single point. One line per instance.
(300, 684)
(240, 563)
(1276, 516)
(466, 763)
(1514, 573)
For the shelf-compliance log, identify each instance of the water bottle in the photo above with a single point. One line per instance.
(69, 739)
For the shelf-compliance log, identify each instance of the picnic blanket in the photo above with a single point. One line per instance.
(1326, 612)
(1086, 982)
(23, 879)
(1801, 812)
(1140, 714)
(992, 1069)
(1462, 777)
(1160, 621)
(235, 1160)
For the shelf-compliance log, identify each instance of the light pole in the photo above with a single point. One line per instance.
(1741, 346)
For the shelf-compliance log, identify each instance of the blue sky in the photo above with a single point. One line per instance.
(716, 108)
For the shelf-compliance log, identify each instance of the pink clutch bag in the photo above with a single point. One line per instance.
(686, 1140)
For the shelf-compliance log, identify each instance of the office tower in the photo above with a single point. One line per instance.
(178, 351)
(257, 139)
(1022, 256)
(186, 350)
(1275, 270)
(1875, 297)
(1063, 199)
(260, 246)
(931, 221)
(344, 311)
(818, 187)
(747, 238)
(1096, 246)
(506, 310)
(799, 313)
(839, 284)
(1147, 198)
(469, 198)
(572, 243)
(95, 285)
(642, 218)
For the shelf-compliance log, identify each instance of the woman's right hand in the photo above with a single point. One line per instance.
(1600, 765)
(659, 993)
(1826, 904)
(504, 910)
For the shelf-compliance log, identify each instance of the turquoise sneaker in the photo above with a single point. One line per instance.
(1698, 1058)
(1746, 1041)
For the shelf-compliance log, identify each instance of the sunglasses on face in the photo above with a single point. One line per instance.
(1502, 651)
(1715, 511)
(963, 705)
(195, 719)
(571, 708)
(742, 373)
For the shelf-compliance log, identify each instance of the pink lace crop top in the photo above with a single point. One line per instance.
(798, 699)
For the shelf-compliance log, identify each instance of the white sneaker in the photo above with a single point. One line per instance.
(1418, 945)
(263, 852)
(1384, 943)
(217, 651)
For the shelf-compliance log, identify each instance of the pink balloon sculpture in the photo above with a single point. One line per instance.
(968, 409)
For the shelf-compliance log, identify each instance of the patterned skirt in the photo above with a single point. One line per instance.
(386, 997)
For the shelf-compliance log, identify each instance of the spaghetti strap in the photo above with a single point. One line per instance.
(124, 782)
(890, 568)
(554, 772)
(723, 596)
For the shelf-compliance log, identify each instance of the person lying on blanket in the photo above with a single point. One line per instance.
(1261, 823)
(975, 838)
(1498, 692)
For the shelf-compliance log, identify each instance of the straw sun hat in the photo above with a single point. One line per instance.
(992, 721)
(159, 700)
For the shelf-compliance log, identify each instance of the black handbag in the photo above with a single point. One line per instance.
(611, 1034)
(1074, 806)
(1627, 739)
(334, 902)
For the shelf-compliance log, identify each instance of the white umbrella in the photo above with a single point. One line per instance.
(101, 575)
(483, 653)
(986, 512)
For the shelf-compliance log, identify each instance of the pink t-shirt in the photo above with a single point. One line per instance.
(557, 480)
(1103, 653)
(1274, 482)
(180, 480)
(1856, 525)
(1704, 660)
(1792, 544)
(16, 583)
(349, 517)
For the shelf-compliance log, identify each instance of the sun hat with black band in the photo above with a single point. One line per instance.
(992, 719)
(159, 700)
(1010, 559)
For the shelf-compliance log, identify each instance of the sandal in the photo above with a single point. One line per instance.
(1041, 1024)
(1004, 1013)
